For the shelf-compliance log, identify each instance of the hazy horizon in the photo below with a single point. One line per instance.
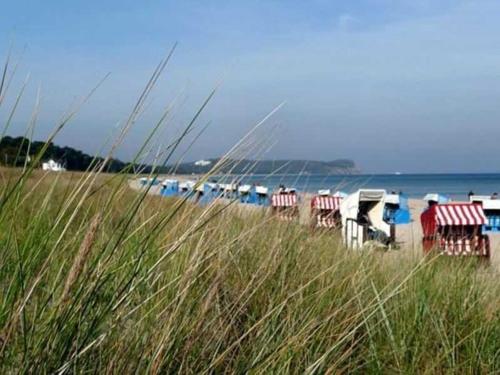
(409, 86)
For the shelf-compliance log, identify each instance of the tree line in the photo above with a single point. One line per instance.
(18, 151)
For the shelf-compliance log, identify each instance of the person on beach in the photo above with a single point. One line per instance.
(494, 196)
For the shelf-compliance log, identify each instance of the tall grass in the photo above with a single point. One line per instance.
(99, 278)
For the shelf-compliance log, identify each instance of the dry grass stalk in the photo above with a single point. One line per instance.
(81, 257)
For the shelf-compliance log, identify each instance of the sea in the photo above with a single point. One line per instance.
(456, 186)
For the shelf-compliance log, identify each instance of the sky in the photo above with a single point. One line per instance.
(408, 85)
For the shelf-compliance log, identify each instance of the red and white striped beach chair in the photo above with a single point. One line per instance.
(455, 229)
(325, 211)
(285, 205)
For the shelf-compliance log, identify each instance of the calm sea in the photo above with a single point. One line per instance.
(413, 185)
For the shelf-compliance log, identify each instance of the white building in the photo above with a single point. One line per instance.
(53, 166)
(202, 163)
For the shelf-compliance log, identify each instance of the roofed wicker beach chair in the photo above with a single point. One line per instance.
(455, 229)
(325, 210)
(284, 204)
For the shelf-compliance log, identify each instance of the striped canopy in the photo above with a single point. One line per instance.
(460, 214)
(283, 200)
(326, 202)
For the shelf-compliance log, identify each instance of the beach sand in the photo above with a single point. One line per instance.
(408, 236)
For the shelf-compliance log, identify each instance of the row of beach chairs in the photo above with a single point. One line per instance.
(451, 228)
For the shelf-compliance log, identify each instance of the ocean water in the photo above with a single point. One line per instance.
(413, 185)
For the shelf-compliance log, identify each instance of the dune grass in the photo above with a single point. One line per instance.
(122, 283)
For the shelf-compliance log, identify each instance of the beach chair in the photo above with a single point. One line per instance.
(284, 204)
(491, 208)
(255, 195)
(186, 188)
(396, 212)
(228, 191)
(206, 193)
(396, 209)
(245, 194)
(455, 229)
(261, 195)
(325, 210)
(169, 188)
(362, 216)
(145, 181)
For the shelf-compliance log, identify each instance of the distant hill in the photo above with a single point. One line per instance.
(13, 151)
(245, 166)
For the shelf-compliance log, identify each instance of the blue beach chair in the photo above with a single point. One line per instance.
(169, 188)
(396, 209)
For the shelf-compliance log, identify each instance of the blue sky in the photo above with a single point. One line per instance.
(408, 86)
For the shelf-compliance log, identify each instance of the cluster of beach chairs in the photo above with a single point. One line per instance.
(365, 216)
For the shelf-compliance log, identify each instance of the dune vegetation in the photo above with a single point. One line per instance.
(96, 277)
